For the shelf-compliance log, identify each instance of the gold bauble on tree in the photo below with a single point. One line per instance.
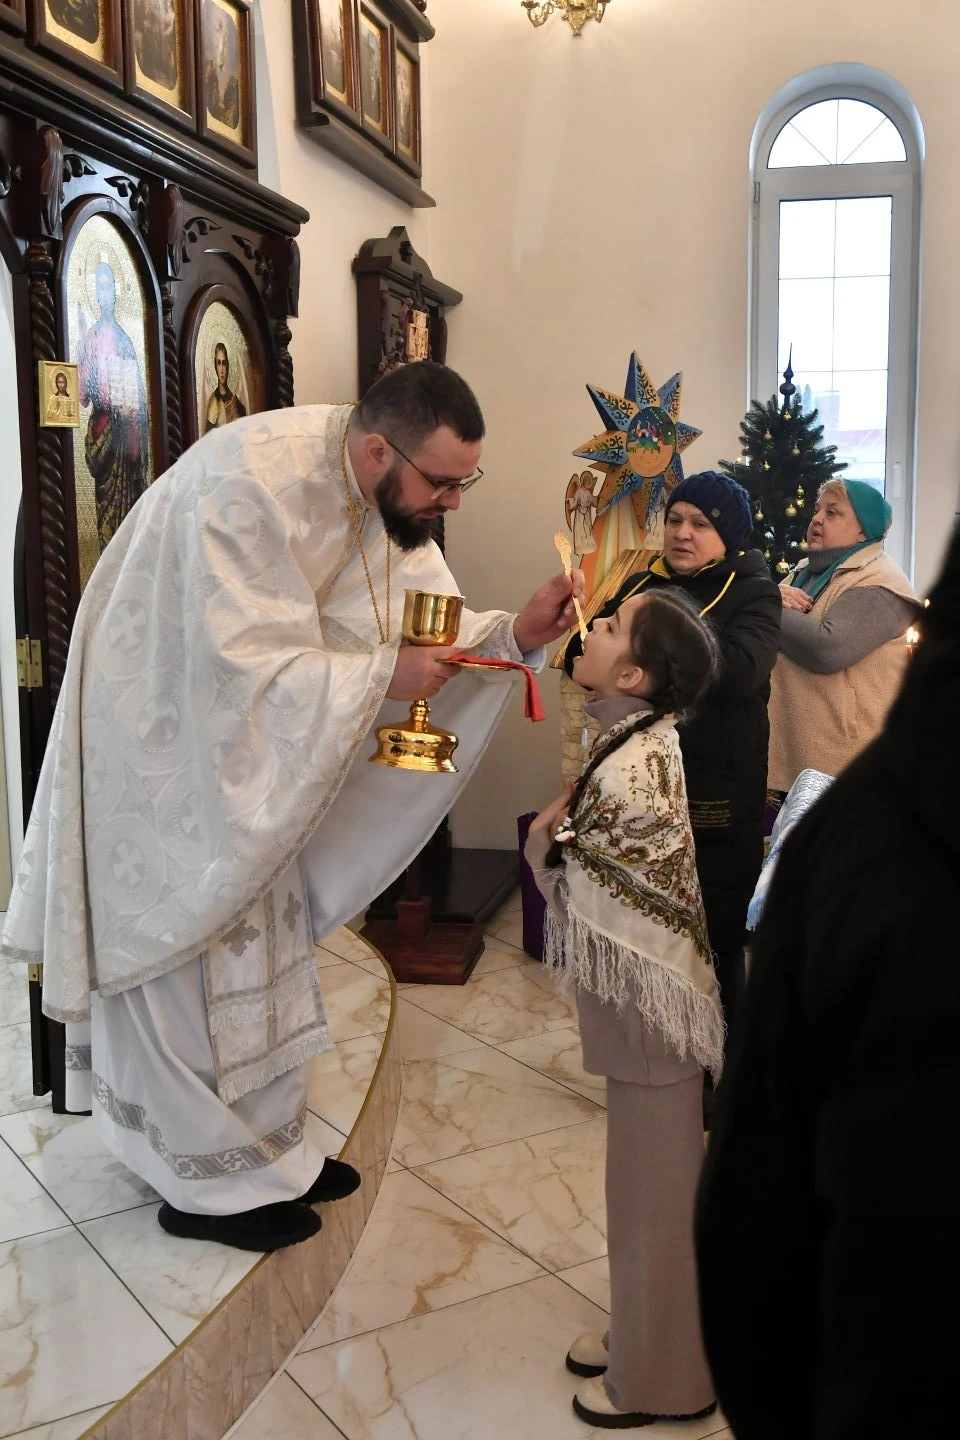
(782, 567)
(795, 450)
(791, 511)
(804, 545)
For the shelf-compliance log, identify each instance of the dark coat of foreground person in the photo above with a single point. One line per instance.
(827, 1228)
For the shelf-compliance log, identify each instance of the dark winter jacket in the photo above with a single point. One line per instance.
(724, 746)
(828, 1242)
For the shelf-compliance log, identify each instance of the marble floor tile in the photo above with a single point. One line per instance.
(74, 1338)
(337, 1083)
(25, 1207)
(66, 1156)
(325, 1137)
(544, 1193)
(508, 927)
(497, 955)
(285, 1413)
(351, 947)
(423, 1036)
(326, 958)
(14, 992)
(477, 1098)
(557, 1053)
(486, 1369)
(419, 1253)
(69, 1428)
(16, 1071)
(591, 1279)
(357, 1003)
(177, 1281)
(507, 1005)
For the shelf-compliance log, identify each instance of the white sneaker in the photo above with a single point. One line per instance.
(588, 1354)
(593, 1404)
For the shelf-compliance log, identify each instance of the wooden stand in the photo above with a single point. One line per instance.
(437, 939)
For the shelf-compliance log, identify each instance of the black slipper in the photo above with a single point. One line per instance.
(335, 1180)
(270, 1227)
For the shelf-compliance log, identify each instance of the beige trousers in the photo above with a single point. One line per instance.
(654, 1156)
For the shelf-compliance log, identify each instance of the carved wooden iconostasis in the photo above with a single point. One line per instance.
(153, 280)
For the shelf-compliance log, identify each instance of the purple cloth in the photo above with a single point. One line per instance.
(534, 905)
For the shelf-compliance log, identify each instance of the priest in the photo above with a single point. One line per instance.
(206, 808)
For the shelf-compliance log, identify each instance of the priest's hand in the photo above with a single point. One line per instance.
(420, 673)
(549, 613)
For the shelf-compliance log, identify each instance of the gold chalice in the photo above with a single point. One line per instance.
(428, 619)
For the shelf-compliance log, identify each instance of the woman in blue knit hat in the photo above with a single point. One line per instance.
(707, 531)
(846, 610)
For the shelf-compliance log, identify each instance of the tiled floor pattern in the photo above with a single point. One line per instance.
(485, 1253)
(484, 1256)
(93, 1294)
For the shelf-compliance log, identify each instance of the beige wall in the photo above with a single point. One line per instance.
(593, 197)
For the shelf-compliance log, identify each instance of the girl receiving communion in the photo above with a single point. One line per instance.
(615, 861)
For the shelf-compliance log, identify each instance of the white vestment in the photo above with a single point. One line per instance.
(206, 807)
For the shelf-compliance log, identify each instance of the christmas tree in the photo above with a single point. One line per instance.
(783, 464)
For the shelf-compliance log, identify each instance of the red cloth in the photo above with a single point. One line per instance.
(533, 709)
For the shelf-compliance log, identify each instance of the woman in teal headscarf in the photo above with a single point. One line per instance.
(846, 610)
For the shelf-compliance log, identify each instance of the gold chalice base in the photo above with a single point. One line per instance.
(417, 745)
(428, 619)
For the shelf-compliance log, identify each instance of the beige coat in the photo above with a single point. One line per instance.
(822, 722)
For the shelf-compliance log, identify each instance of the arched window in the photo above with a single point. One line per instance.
(836, 172)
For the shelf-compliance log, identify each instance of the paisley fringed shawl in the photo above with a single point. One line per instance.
(635, 930)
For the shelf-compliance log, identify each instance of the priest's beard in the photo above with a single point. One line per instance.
(408, 529)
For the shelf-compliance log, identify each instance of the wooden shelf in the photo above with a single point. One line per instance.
(361, 154)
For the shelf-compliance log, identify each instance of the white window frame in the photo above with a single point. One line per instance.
(901, 181)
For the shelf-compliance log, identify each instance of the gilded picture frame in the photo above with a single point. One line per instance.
(334, 43)
(406, 91)
(375, 72)
(159, 39)
(85, 34)
(225, 77)
(58, 386)
(224, 361)
(110, 305)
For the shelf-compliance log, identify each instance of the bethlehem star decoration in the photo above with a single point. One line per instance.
(641, 448)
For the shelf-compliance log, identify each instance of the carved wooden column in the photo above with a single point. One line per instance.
(174, 250)
(41, 265)
(282, 335)
(289, 263)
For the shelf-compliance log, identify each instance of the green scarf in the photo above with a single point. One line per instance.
(811, 582)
